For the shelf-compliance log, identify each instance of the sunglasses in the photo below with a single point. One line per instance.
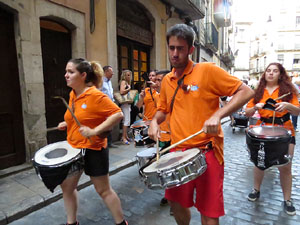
(184, 87)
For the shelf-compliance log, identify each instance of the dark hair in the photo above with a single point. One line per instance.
(105, 68)
(182, 31)
(162, 72)
(93, 70)
(284, 82)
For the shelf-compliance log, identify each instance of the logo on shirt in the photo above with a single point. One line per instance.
(194, 87)
(83, 106)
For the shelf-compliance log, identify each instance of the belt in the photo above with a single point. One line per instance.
(278, 120)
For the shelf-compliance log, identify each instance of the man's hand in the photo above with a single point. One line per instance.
(154, 130)
(211, 126)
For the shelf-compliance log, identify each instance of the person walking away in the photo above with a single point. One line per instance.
(190, 94)
(97, 114)
(109, 91)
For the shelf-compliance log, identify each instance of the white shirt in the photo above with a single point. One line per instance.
(107, 88)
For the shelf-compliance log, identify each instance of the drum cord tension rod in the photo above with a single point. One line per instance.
(72, 113)
(183, 140)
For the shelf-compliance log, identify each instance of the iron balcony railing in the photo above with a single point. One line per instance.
(211, 37)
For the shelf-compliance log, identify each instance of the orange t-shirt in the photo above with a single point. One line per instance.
(150, 104)
(269, 113)
(190, 110)
(91, 109)
(165, 134)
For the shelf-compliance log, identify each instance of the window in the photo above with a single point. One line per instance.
(280, 58)
(297, 21)
(280, 42)
(296, 59)
(297, 41)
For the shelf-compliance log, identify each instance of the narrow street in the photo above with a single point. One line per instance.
(141, 205)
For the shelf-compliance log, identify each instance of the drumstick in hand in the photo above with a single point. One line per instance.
(70, 110)
(183, 140)
(282, 96)
(52, 129)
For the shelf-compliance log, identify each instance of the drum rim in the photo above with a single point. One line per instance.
(174, 166)
(74, 158)
(288, 133)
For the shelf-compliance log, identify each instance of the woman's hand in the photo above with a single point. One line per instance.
(62, 126)
(87, 132)
(281, 106)
(259, 106)
(142, 94)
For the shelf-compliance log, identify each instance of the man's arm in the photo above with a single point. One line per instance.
(242, 95)
(153, 131)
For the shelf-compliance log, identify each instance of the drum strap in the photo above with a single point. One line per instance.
(278, 120)
(179, 82)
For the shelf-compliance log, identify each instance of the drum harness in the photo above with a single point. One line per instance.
(278, 120)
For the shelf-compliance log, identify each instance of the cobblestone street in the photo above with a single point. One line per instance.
(141, 205)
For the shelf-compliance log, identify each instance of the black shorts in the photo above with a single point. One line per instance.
(293, 140)
(96, 163)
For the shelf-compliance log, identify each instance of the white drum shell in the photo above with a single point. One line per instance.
(145, 155)
(176, 175)
(72, 154)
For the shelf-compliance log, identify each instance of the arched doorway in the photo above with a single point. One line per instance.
(56, 51)
(134, 38)
(12, 144)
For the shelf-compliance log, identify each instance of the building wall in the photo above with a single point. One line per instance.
(101, 45)
(27, 24)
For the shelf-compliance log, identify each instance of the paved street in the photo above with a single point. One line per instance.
(141, 205)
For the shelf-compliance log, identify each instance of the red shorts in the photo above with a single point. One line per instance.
(209, 190)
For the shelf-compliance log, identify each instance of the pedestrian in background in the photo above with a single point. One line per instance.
(97, 115)
(109, 91)
(125, 87)
(274, 83)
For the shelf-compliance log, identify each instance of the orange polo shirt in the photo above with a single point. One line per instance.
(150, 104)
(190, 110)
(269, 113)
(91, 109)
(165, 134)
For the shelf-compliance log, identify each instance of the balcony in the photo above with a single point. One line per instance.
(227, 56)
(222, 13)
(211, 37)
(191, 9)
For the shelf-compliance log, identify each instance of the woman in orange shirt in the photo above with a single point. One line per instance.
(274, 83)
(97, 114)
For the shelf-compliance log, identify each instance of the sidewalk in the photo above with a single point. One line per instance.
(23, 192)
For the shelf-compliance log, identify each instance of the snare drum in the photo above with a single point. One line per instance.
(268, 146)
(175, 169)
(53, 162)
(144, 156)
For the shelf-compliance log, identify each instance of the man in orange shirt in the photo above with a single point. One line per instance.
(148, 98)
(190, 93)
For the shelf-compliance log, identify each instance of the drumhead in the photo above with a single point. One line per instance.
(56, 153)
(269, 132)
(147, 152)
(138, 124)
(171, 160)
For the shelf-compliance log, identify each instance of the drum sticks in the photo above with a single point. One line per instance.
(183, 140)
(52, 129)
(282, 96)
(70, 110)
